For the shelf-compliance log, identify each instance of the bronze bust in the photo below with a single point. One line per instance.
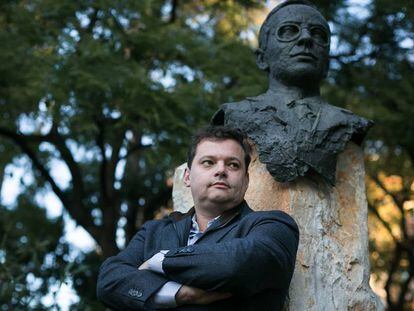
(295, 131)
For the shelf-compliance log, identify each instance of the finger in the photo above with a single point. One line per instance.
(211, 297)
(143, 266)
(221, 295)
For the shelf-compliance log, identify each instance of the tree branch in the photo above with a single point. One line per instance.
(108, 206)
(93, 19)
(131, 216)
(115, 157)
(405, 288)
(25, 138)
(339, 57)
(22, 141)
(173, 15)
(103, 167)
(398, 202)
(73, 166)
(73, 203)
(393, 268)
(133, 149)
(383, 222)
(405, 246)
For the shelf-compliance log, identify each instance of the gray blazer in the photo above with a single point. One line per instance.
(249, 254)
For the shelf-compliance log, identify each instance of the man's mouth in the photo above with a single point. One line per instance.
(220, 185)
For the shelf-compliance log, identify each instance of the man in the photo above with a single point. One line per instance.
(295, 131)
(220, 255)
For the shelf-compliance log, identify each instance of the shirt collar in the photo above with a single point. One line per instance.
(194, 224)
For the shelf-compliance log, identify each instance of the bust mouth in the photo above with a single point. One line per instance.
(306, 56)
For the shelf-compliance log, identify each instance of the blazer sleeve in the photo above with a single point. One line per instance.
(263, 259)
(121, 285)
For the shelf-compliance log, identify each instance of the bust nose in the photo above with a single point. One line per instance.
(305, 37)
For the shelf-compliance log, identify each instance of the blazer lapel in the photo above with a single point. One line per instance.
(216, 235)
(182, 225)
(224, 220)
(223, 225)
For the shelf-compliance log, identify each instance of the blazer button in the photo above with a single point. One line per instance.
(133, 292)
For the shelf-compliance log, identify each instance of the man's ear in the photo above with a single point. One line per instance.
(260, 60)
(187, 177)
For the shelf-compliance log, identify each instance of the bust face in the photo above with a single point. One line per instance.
(297, 46)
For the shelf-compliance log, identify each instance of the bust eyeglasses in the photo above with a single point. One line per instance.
(288, 32)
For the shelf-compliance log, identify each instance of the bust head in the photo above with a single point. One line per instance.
(294, 44)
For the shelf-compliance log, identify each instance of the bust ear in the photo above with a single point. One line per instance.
(260, 60)
(326, 69)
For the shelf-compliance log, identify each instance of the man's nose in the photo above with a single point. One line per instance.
(221, 170)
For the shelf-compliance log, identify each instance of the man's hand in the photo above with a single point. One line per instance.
(154, 263)
(192, 295)
(144, 266)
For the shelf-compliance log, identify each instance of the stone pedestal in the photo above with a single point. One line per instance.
(332, 267)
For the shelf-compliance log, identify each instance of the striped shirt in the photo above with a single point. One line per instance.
(195, 232)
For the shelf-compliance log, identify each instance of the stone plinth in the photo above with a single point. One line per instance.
(332, 267)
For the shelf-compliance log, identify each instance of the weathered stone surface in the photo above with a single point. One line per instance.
(182, 198)
(332, 267)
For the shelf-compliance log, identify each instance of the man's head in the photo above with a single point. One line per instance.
(218, 133)
(294, 43)
(218, 159)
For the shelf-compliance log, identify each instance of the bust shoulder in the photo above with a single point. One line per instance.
(230, 109)
(357, 125)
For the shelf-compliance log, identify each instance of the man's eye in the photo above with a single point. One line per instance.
(207, 162)
(234, 165)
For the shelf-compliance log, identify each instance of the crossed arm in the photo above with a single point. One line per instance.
(122, 286)
(263, 259)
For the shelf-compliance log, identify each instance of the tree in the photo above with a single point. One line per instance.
(90, 96)
(372, 74)
(32, 256)
(113, 90)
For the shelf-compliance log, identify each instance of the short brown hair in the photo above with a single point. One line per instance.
(219, 132)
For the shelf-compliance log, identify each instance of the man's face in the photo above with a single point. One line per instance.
(218, 176)
(297, 45)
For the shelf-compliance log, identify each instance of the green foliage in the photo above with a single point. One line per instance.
(372, 70)
(32, 256)
(372, 75)
(84, 281)
(113, 89)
